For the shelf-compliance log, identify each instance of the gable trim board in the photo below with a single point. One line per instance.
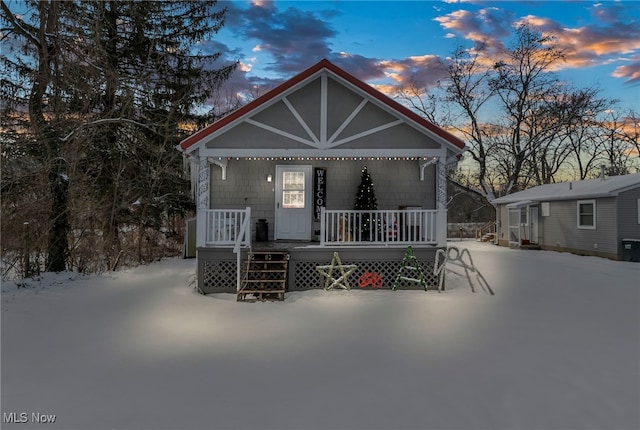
(325, 123)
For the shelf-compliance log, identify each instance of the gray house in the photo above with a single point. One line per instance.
(282, 173)
(590, 217)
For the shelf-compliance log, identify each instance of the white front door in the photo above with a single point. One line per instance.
(294, 204)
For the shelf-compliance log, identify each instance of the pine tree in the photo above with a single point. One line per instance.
(365, 200)
(97, 95)
(153, 78)
(366, 196)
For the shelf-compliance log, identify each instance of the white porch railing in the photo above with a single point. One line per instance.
(363, 227)
(224, 226)
(232, 227)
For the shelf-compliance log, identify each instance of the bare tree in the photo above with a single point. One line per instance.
(468, 88)
(527, 92)
(522, 125)
(620, 137)
(567, 114)
(427, 103)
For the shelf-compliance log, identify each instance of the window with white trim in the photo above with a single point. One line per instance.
(293, 190)
(586, 214)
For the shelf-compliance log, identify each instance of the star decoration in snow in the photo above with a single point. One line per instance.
(344, 270)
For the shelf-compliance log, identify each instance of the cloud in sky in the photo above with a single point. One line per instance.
(630, 72)
(293, 37)
(610, 36)
(284, 40)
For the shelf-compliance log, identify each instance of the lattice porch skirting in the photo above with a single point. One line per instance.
(217, 268)
(307, 278)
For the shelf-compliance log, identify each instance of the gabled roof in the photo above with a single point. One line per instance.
(188, 144)
(587, 189)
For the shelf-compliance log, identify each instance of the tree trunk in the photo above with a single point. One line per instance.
(58, 248)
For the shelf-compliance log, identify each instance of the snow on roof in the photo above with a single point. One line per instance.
(590, 188)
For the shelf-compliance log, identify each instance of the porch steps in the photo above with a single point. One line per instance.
(266, 276)
(488, 237)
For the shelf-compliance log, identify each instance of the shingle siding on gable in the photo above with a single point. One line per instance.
(279, 116)
(303, 91)
(343, 102)
(306, 101)
(250, 136)
(399, 136)
(396, 183)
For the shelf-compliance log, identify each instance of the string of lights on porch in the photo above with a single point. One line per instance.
(326, 158)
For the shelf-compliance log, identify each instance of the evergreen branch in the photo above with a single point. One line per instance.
(104, 121)
(17, 25)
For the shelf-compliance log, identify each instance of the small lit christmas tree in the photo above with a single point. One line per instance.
(365, 200)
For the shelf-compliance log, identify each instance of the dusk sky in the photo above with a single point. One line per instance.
(388, 43)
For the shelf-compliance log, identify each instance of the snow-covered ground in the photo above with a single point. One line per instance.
(557, 347)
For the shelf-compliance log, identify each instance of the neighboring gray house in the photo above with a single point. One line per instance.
(293, 159)
(590, 217)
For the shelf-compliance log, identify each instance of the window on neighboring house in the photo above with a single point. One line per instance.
(587, 214)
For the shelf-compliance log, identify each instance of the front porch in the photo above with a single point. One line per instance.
(380, 248)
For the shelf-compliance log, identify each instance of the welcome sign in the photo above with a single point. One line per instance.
(319, 190)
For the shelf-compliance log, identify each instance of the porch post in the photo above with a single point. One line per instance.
(441, 201)
(203, 201)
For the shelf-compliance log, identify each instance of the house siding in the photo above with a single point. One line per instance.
(406, 137)
(628, 226)
(502, 214)
(248, 136)
(342, 101)
(559, 230)
(541, 229)
(396, 184)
